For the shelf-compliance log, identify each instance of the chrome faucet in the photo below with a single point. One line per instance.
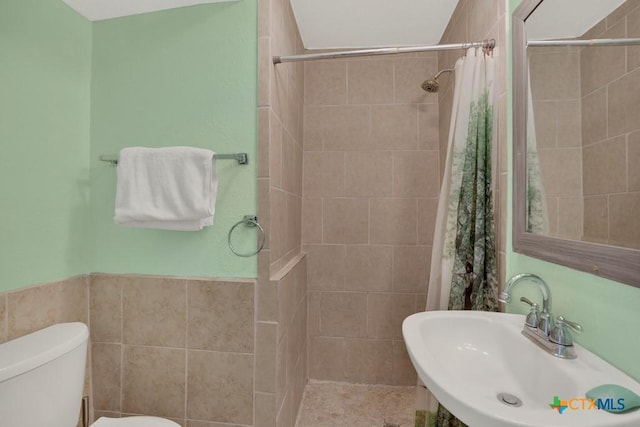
(544, 321)
(539, 327)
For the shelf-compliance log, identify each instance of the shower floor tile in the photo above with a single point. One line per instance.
(337, 404)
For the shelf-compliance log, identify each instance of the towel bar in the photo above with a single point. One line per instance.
(241, 158)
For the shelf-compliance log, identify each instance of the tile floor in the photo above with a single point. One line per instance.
(327, 404)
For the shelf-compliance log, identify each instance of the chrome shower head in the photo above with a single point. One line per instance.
(432, 85)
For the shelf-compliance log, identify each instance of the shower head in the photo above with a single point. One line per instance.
(432, 85)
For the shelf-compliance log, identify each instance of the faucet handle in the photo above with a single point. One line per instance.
(560, 333)
(533, 318)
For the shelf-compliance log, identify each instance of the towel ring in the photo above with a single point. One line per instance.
(249, 221)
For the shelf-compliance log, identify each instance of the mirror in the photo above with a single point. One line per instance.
(577, 135)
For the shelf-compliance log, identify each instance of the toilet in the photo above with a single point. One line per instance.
(42, 379)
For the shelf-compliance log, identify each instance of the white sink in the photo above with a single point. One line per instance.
(467, 358)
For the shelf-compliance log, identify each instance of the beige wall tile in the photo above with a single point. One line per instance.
(409, 75)
(264, 140)
(345, 221)
(312, 220)
(634, 161)
(484, 15)
(313, 128)
(370, 268)
(622, 98)
(621, 11)
(278, 224)
(324, 174)
(545, 115)
(561, 171)
(404, 373)
(106, 368)
(220, 387)
(393, 221)
(596, 218)
(275, 152)
(633, 30)
(394, 127)
(266, 339)
(294, 223)
(370, 81)
(264, 209)
(343, 314)
(288, 159)
(427, 212)
(553, 77)
(154, 311)
(600, 66)
(385, 313)
(594, 117)
(411, 268)
(267, 302)
(607, 166)
(192, 423)
(325, 82)
(265, 410)
(569, 122)
(624, 211)
(415, 174)
(347, 127)
(428, 132)
(327, 358)
(284, 417)
(221, 316)
(35, 308)
(313, 305)
(326, 268)
(106, 308)
(570, 218)
(369, 362)
(369, 174)
(153, 381)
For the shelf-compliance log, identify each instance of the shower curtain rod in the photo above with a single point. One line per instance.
(486, 44)
(592, 42)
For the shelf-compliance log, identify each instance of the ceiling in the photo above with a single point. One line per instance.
(566, 19)
(342, 24)
(96, 10)
(327, 24)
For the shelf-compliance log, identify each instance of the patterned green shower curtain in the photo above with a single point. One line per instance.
(464, 267)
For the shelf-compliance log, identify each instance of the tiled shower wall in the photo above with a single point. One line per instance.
(555, 87)
(475, 20)
(370, 188)
(176, 348)
(29, 309)
(611, 131)
(282, 270)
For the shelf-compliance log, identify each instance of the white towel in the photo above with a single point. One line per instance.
(171, 188)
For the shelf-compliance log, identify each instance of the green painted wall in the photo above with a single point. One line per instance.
(179, 77)
(72, 90)
(45, 60)
(608, 311)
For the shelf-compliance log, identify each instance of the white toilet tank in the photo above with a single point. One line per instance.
(42, 377)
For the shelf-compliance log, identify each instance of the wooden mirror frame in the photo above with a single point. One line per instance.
(611, 262)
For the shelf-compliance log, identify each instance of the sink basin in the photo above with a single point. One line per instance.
(468, 358)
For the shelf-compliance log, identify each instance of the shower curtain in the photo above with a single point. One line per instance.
(537, 213)
(463, 263)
